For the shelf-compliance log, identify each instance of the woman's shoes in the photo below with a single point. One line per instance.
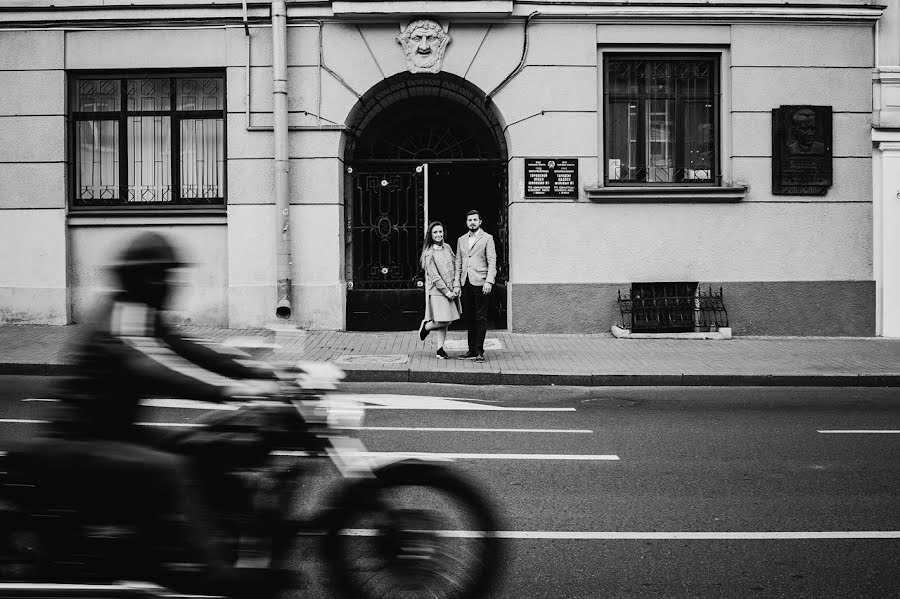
(441, 354)
(423, 332)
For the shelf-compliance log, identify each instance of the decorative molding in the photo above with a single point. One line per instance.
(94, 218)
(891, 147)
(418, 7)
(701, 11)
(661, 194)
(424, 42)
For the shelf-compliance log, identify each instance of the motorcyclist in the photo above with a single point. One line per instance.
(130, 354)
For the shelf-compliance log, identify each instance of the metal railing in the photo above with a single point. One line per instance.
(672, 308)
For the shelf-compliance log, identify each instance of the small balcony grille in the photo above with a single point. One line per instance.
(672, 308)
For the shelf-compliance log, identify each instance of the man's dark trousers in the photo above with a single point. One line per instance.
(475, 312)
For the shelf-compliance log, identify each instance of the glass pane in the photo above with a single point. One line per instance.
(149, 159)
(660, 141)
(625, 76)
(699, 141)
(97, 95)
(201, 93)
(148, 94)
(202, 159)
(622, 141)
(97, 161)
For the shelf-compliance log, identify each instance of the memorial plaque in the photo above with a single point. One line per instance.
(801, 150)
(551, 178)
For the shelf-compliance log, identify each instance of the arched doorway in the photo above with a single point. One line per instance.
(420, 148)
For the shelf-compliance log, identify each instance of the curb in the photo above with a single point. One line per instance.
(485, 377)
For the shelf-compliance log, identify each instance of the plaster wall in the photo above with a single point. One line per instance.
(665, 242)
(32, 169)
(319, 292)
(251, 271)
(761, 238)
(201, 296)
(33, 271)
(145, 48)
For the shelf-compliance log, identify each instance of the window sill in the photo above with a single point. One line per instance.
(659, 194)
(113, 217)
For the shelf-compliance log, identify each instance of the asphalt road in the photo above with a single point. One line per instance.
(649, 492)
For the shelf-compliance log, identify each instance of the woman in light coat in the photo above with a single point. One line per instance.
(441, 299)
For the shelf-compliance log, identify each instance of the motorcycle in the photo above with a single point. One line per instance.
(390, 528)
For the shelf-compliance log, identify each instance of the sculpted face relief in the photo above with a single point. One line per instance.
(424, 43)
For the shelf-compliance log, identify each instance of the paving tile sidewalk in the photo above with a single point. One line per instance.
(516, 358)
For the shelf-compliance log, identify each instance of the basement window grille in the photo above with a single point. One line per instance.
(672, 308)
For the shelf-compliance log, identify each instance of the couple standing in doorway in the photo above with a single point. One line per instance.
(458, 283)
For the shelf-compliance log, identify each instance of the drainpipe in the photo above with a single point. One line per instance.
(282, 164)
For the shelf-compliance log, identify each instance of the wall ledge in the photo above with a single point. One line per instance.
(118, 220)
(665, 194)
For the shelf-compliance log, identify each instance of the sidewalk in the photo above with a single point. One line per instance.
(523, 359)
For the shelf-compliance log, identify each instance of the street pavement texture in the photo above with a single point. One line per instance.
(518, 358)
(641, 492)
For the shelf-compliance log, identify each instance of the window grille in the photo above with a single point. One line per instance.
(147, 140)
(672, 308)
(661, 120)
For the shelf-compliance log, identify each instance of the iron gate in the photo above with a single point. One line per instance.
(385, 230)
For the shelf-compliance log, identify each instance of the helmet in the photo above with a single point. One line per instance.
(149, 249)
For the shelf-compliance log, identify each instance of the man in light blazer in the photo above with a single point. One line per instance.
(476, 271)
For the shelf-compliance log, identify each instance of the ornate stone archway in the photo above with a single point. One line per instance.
(403, 129)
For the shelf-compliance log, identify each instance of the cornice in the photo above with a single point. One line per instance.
(58, 13)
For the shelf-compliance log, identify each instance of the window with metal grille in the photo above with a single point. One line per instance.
(147, 140)
(672, 308)
(661, 119)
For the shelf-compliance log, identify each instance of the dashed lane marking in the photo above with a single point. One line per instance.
(860, 432)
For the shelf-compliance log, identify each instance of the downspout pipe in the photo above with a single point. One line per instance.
(284, 284)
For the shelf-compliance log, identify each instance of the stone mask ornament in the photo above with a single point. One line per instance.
(424, 42)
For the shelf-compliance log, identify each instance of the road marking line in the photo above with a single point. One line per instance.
(461, 456)
(701, 536)
(472, 430)
(357, 428)
(860, 432)
(480, 408)
(386, 401)
(372, 402)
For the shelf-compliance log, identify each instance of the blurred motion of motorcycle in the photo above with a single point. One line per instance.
(391, 528)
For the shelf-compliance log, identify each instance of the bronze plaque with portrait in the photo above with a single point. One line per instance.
(801, 150)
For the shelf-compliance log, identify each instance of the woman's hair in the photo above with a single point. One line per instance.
(426, 246)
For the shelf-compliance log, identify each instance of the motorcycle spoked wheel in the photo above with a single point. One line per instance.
(392, 537)
(20, 548)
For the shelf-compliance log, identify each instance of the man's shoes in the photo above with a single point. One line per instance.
(479, 358)
(469, 355)
(441, 354)
(423, 332)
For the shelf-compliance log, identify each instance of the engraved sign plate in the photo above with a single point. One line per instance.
(551, 178)
(801, 150)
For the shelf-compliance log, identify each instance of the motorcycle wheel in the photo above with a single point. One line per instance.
(20, 548)
(415, 530)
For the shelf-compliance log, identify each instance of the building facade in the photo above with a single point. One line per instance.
(296, 151)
